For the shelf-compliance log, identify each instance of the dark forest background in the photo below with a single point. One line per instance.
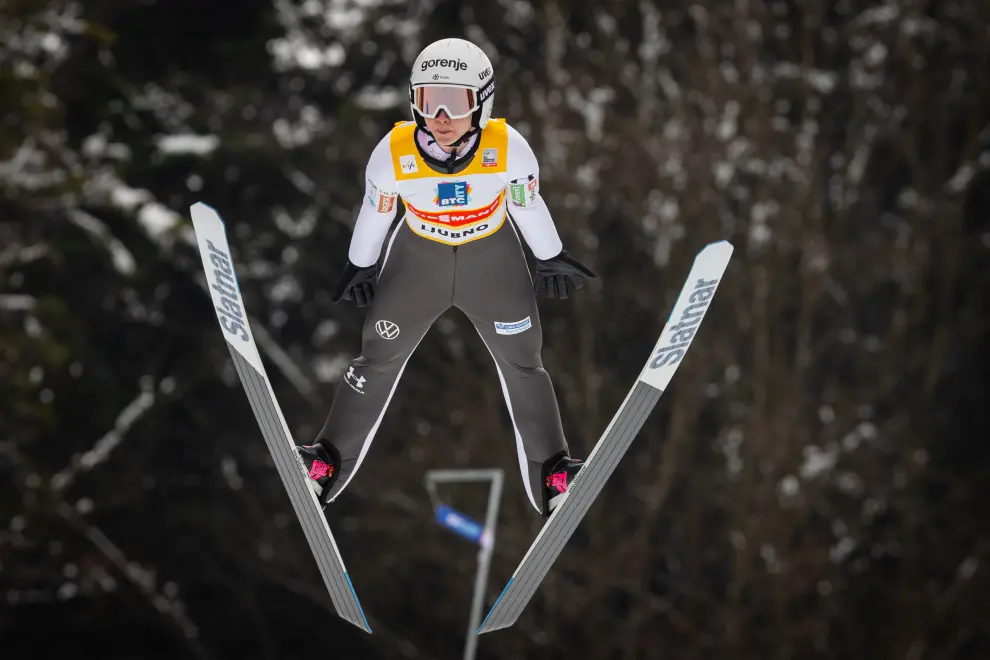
(814, 483)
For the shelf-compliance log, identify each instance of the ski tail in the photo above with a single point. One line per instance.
(568, 515)
(225, 293)
(675, 338)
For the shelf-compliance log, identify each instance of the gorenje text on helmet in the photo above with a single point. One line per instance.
(456, 65)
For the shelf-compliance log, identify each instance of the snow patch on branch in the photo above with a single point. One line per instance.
(101, 451)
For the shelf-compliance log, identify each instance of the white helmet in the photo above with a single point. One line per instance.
(442, 73)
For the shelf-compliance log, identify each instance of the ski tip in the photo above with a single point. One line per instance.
(715, 250)
(204, 207)
(722, 245)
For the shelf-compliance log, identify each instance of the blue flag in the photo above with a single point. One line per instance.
(458, 523)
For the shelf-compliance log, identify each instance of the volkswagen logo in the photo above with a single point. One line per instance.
(386, 329)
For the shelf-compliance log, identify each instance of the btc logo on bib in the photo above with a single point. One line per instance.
(452, 193)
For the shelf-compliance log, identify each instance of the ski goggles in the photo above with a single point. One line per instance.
(457, 102)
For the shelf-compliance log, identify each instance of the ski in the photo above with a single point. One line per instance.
(675, 339)
(225, 291)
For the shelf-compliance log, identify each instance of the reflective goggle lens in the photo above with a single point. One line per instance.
(456, 101)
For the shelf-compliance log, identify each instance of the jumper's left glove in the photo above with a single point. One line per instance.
(560, 276)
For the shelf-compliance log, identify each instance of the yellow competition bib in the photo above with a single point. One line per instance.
(452, 209)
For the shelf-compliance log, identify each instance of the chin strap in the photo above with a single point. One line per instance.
(457, 143)
(464, 138)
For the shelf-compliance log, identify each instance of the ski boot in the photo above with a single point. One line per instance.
(558, 473)
(322, 465)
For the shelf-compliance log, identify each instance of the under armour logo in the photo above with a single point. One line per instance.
(356, 382)
(387, 329)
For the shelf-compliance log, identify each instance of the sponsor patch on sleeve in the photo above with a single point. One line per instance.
(380, 200)
(372, 193)
(386, 202)
(523, 192)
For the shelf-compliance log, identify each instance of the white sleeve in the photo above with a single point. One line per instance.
(378, 207)
(525, 204)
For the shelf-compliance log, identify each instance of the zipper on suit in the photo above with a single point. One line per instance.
(453, 282)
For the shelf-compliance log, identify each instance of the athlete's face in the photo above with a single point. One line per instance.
(447, 130)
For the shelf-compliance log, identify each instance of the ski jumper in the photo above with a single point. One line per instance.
(458, 245)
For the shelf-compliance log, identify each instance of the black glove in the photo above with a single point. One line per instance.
(357, 284)
(322, 468)
(560, 276)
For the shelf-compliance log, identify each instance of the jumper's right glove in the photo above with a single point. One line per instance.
(357, 284)
(559, 276)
